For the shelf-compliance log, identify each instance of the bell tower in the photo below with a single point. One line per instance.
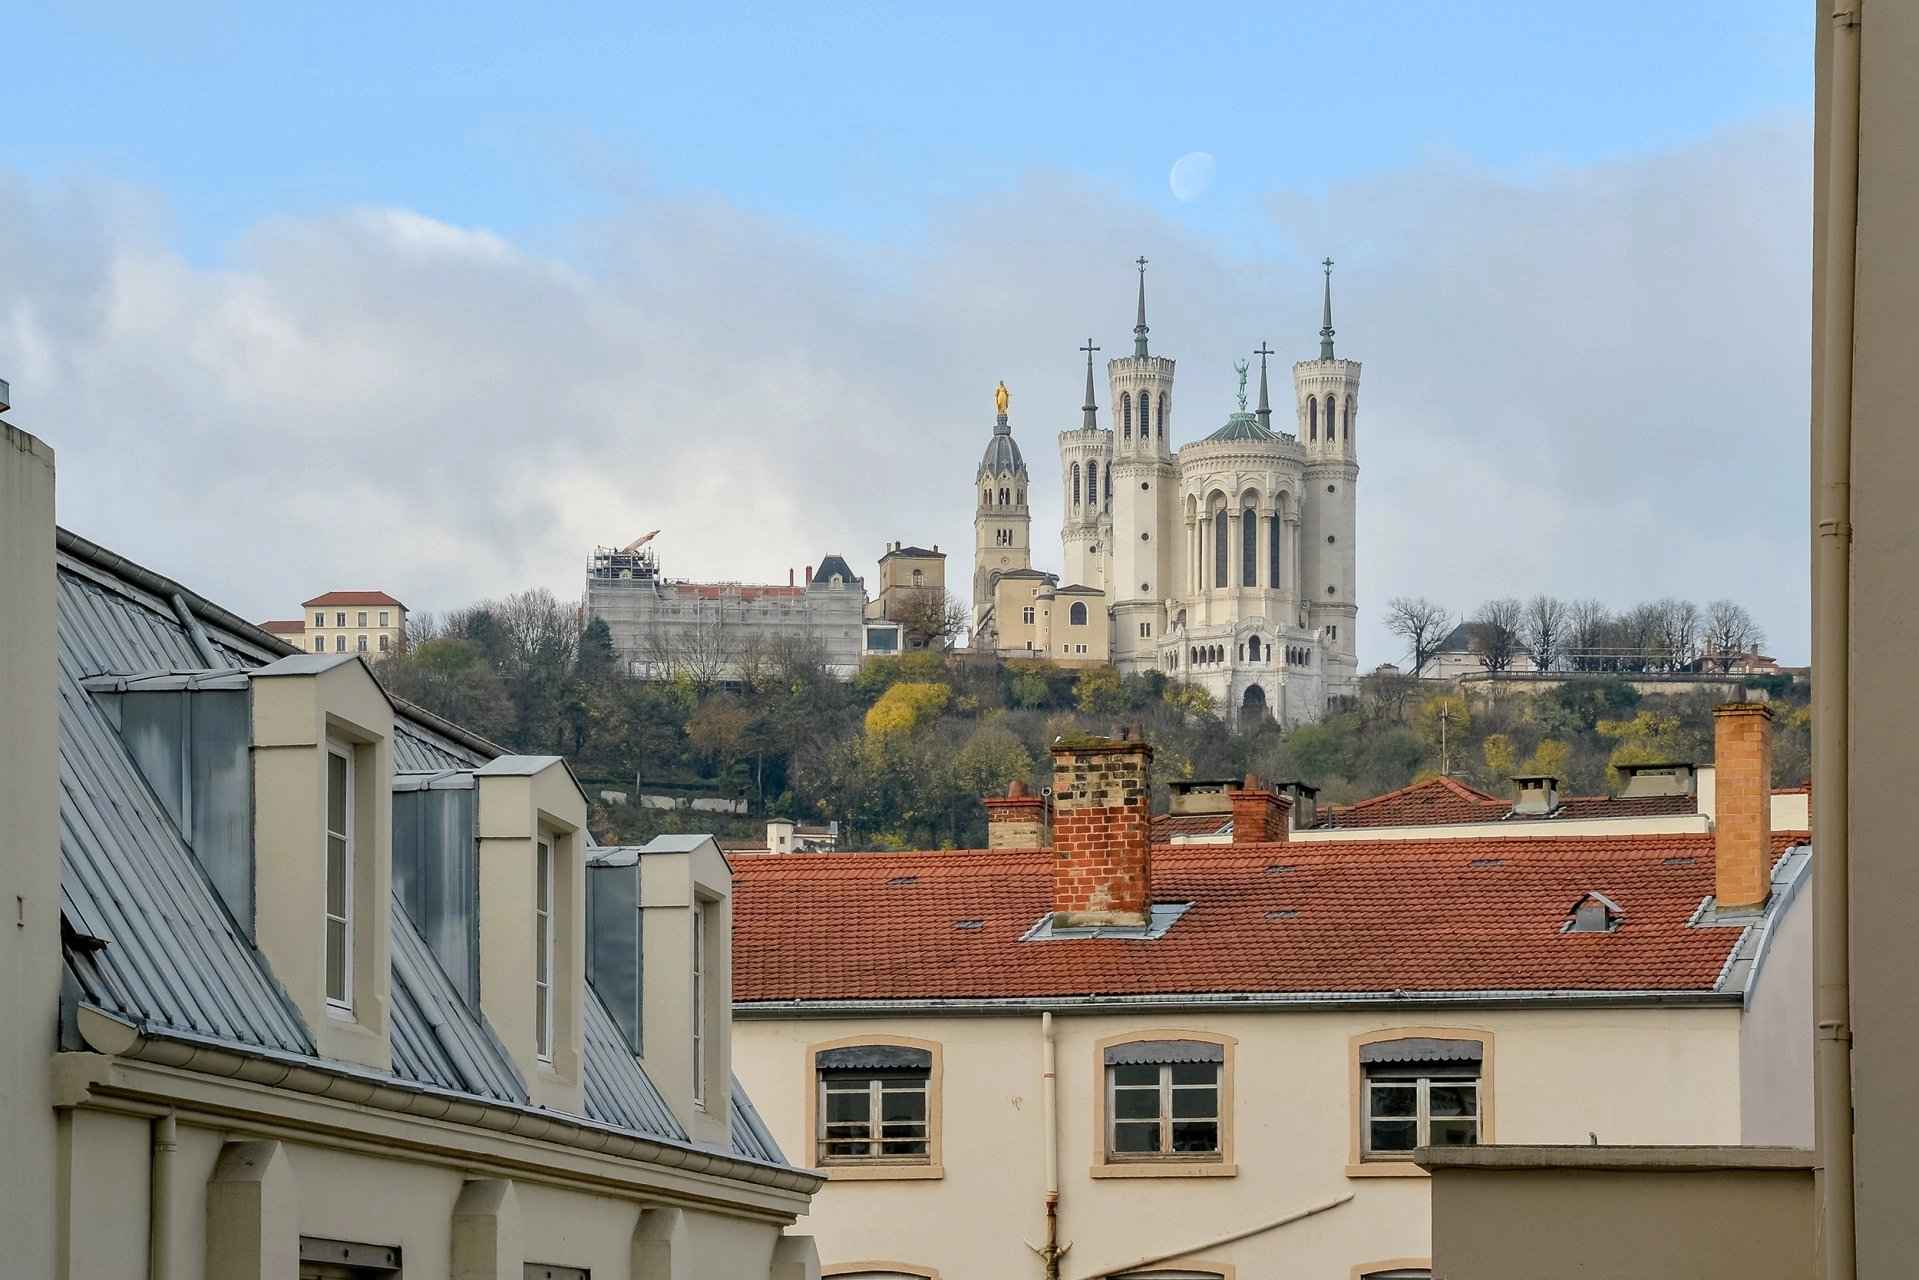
(1326, 393)
(1145, 492)
(1002, 520)
(1086, 497)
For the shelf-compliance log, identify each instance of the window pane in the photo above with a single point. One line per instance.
(1455, 1133)
(846, 1107)
(901, 1104)
(1196, 1135)
(1195, 1104)
(335, 876)
(1136, 1073)
(336, 960)
(1136, 1104)
(544, 873)
(1136, 1138)
(1394, 1099)
(540, 995)
(336, 793)
(1451, 1100)
(1195, 1072)
(838, 1148)
(1394, 1135)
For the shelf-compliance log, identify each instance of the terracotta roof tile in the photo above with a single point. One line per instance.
(352, 597)
(1168, 825)
(284, 626)
(1625, 806)
(1363, 916)
(1435, 800)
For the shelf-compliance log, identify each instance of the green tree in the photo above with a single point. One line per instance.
(1099, 691)
(452, 678)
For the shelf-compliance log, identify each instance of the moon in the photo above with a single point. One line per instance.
(1192, 176)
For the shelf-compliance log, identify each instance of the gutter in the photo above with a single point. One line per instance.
(1832, 660)
(1257, 1002)
(111, 1034)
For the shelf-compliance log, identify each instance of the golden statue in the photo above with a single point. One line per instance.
(1000, 398)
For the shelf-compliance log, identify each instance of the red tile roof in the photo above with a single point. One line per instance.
(352, 597)
(1625, 806)
(1362, 916)
(1435, 800)
(284, 626)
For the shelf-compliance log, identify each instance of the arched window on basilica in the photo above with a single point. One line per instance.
(1252, 649)
(1092, 482)
(1162, 415)
(1126, 414)
(1222, 542)
(1145, 414)
(1346, 426)
(1249, 548)
(1076, 484)
(1312, 417)
(1076, 616)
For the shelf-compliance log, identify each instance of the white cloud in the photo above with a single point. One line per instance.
(1593, 381)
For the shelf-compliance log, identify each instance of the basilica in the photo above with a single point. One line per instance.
(1227, 562)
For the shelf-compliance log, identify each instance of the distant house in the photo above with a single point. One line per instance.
(1462, 654)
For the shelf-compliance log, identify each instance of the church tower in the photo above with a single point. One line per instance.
(1327, 395)
(1085, 455)
(1002, 522)
(1145, 496)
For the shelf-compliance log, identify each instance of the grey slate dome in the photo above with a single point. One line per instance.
(1002, 454)
(1243, 426)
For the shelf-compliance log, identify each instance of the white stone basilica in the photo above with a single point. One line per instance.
(1229, 561)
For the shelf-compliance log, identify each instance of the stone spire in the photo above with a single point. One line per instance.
(1089, 412)
(1265, 405)
(1139, 327)
(1325, 315)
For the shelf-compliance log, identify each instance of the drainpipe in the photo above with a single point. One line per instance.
(160, 1199)
(1832, 682)
(1049, 1112)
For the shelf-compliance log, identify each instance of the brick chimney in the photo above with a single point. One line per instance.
(1016, 820)
(1260, 814)
(1102, 830)
(1742, 825)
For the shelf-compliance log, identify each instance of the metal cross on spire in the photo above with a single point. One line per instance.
(1089, 411)
(1139, 327)
(1265, 406)
(1326, 314)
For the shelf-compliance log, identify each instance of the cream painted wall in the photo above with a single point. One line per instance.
(29, 851)
(1776, 1035)
(1623, 1225)
(375, 1198)
(1632, 1075)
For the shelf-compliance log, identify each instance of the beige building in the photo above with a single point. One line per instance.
(301, 984)
(1843, 1208)
(1035, 617)
(1123, 1057)
(364, 622)
(912, 591)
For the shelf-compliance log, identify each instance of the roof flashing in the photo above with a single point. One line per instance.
(1161, 917)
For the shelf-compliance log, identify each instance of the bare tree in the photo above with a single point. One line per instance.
(1678, 633)
(1422, 624)
(1641, 632)
(1496, 633)
(1544, 630)
(1588, 623)
(1729, 631)
(930, 619)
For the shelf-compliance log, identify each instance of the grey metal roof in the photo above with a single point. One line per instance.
(149, 940)
(437, 1037)
(1244, 427)
(518, 766)
(617, 1089)
(751, 1137)
(834, 564)
(305, 664)
(1002, 456)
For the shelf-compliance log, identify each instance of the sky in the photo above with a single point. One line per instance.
(434, 299)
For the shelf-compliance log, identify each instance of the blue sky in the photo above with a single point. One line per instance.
(857, 117)
(518, 280)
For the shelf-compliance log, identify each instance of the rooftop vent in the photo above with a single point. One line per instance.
(969, 924)
(1283, 913)
(1594, 913)
(1680, 862)
(901, 881)
(1670, 778)
(1488, 862)
(1535, 794)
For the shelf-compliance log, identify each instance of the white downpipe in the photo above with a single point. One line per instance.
(1049, 1112)
(1832, 676)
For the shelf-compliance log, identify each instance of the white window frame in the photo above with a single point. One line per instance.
(383, 618)
(875, 1084)
(342, 1003)
(543, 951)
(362, 617)
(699, 1028)
(339, 618)
(1166, 1119)
(362, 648)
(1422, 1111)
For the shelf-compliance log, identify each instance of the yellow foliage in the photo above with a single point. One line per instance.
(1550, 758)
(1445, 713)
(906, 706)
(1499, 755)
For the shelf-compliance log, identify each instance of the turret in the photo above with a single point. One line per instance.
(1145, 496)
(1326, 395)
(1086, 497)
(1002, 520)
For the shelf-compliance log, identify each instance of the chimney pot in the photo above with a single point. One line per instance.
(1535, 794)
(1742, 824)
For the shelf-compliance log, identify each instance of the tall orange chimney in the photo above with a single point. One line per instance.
(1102, 830)
(1742, 826)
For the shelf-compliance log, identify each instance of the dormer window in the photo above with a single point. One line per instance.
(339, 878)
(543, 951)
(1594, 913)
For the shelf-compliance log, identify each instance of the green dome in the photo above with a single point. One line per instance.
(1243, 426)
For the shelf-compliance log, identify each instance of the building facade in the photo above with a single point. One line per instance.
(307, 984)
(912, 592)
(366, 622)
(663, 627)
(1189, 1061)
(1228, 561)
